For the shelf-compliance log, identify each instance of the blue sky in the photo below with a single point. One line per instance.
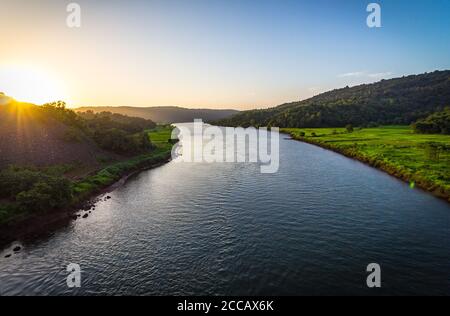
(224, 54)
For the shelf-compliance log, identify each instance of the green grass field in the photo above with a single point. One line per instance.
(421, 159)
(160, 136)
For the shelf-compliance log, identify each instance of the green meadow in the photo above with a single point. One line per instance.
(160, 136)
(421, 159)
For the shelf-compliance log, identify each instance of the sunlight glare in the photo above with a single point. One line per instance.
(29, 84)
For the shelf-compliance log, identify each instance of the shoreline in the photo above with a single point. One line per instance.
(426, 186)
(30, 226)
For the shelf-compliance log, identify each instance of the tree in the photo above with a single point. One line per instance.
(395, 101)
(349, 128)
(436, 123)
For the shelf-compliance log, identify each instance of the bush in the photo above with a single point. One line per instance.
(15, 179)
(372, 125)
(37, 198)
(349, 128)
(35, 189)
(72, 135)
(120, 142)
(437, 123)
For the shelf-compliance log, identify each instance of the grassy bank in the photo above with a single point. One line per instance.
(112, 173)
(81, 190)
(422, 160)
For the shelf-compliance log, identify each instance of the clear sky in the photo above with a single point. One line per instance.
(208, 53)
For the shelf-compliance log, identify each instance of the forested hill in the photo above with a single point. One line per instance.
(51, 134)
(165, 114)
(396, 101)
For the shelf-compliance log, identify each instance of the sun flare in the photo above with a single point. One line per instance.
(29, 84)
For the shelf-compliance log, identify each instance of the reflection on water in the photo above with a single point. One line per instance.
(225, 228)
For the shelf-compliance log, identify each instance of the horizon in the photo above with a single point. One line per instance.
(2, 93)
(237, 55)
(224, 154)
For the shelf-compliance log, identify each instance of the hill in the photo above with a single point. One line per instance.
(28, 138)
(51, 135)
(52, 159)
(165, 114)
(396, 101)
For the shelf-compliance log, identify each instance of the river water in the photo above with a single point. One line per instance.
(226, 229)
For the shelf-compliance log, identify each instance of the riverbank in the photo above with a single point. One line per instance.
(86, 191)
(420, 160)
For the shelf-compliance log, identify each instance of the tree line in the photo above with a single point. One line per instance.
(436, 123)
(399, 101)
(114, 132)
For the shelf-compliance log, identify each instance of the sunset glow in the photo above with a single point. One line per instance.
(30, 84)
(210, 54)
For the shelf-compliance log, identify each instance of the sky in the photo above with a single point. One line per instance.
(240, 54)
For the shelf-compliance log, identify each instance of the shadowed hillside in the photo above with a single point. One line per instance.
(53, 135)
(30, 139)
(165, 114)
(398, 101)
(51, 158)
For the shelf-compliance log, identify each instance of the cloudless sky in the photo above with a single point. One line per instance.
(219, 54)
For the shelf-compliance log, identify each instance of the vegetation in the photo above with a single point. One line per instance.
(165, 114)
(31, 190)
(436, 123)
(110, 174)
(107, 120)
(398, 101)
(114, 132)
(422, 160)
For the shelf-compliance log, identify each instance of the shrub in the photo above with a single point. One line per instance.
(72, 135)
(35, 189)
(437, 123)
(349, 128)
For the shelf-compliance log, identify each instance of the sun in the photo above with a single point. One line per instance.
(30, 84)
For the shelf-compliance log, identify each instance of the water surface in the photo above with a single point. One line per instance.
(227, 229)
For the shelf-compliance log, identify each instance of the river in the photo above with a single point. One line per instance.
(227, 229)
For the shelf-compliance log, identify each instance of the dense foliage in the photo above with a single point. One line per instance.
(108, 120)
(164, 114)
(118, 133)
(398, 101)
(436, 123)
(115, 132)
(34, 189)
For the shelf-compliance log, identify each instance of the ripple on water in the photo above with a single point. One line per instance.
(184, 229)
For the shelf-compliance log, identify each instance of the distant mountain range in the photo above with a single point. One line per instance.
(164, 114)
(398, 101)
